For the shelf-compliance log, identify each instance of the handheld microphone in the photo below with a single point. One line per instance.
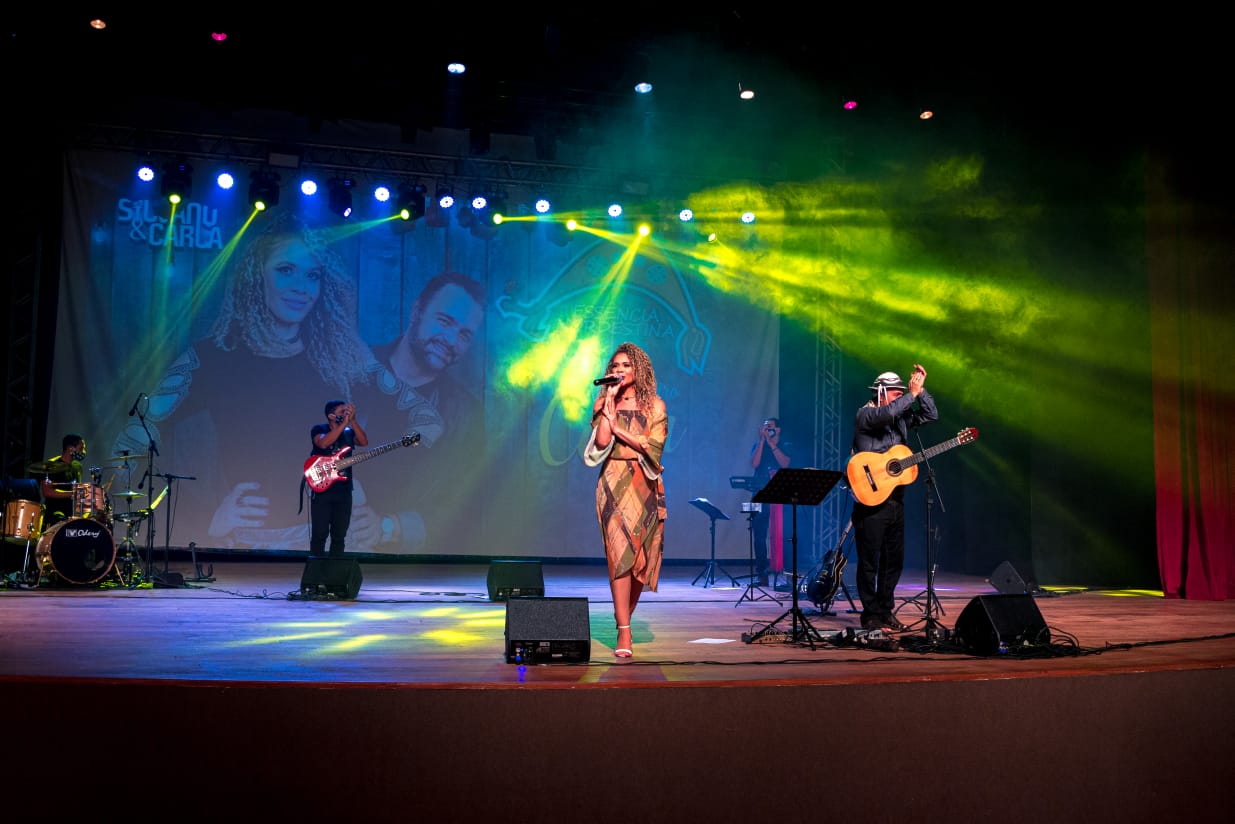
(607, 380)
(133, 411)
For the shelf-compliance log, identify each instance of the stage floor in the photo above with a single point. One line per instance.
(434, 624)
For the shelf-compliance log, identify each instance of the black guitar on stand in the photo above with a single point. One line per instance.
(822, 589)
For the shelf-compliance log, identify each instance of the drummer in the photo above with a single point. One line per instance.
(59, 475)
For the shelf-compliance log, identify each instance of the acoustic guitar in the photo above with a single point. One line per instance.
(873, 475)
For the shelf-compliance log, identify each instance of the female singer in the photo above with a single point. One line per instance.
(629, 429)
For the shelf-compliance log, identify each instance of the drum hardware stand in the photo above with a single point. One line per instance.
(709, 572)
(927, 600)
(795, 486)
(751, 510)
(130, 560)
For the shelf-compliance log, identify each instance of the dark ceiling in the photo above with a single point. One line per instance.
(565, 76)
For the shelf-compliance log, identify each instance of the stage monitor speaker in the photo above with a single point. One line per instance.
(992, 624)
(330, 579)
(547, 631)
(515, 579)
(1008, 581)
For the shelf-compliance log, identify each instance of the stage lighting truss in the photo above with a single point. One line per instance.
(411, 201)
(339, 196)
(263, 190)
(177, 180)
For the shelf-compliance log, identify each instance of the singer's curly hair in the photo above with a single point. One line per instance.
(331, 341)
(645, 375)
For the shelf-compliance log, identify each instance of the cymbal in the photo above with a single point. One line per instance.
(47, 466)
(128, 494)
(118, 460)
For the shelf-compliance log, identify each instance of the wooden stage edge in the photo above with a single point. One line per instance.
(228, 698)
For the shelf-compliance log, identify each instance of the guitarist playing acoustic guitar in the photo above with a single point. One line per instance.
(879, 529)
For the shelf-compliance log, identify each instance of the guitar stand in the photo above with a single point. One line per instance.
(794, 486)
(709, 572)
(751, 586)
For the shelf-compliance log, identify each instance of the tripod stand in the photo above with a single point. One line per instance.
(751, 511)
(709, 572)
(927, 600)
(795, 486)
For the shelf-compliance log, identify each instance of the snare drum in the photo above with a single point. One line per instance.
(79, 551)
(90, 501)
(23, 521)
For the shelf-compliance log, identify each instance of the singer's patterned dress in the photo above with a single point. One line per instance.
(630, 497)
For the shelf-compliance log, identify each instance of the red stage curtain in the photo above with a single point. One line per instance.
(1190, 254)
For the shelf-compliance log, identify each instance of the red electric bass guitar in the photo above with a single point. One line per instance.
(323, 470)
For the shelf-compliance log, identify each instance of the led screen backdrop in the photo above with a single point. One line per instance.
(229, 330)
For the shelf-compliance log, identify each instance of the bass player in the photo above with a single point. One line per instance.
(879, 530)
(331, 509)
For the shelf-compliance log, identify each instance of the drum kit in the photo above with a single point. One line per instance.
(81, 549)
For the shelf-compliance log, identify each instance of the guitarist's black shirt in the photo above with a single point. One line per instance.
(879, 428)
(346, 438)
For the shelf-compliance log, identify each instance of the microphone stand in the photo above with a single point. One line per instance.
(150, 475)
(935, 631)
(169, 579)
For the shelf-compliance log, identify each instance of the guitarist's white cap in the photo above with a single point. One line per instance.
(888, 380)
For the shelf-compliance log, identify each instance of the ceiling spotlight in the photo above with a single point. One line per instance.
(263, 190)
(643, 88)
(145, 172)
(925, 114)
(340, 196)
(177, 181)
(746, 94)
(445, 197)
(748, 217)
(615, 210)
(456, 68)
(686, 215)
(849, 105)
(411, 201)
(225, 180)
(382, 193)
(480, 202)
(308, 186)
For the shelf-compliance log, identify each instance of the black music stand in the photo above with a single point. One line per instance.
(709, 572)
(795, 486)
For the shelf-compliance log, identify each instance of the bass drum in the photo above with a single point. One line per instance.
(80, 551)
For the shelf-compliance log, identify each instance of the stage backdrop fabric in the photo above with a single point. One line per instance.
(170, 320)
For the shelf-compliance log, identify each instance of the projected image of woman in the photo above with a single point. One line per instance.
(227, 411)
(629, 429)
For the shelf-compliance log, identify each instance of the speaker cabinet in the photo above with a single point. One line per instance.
(509, 579)
(330, 579)
(1008, 581)
(547, 631)
(992, 624)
